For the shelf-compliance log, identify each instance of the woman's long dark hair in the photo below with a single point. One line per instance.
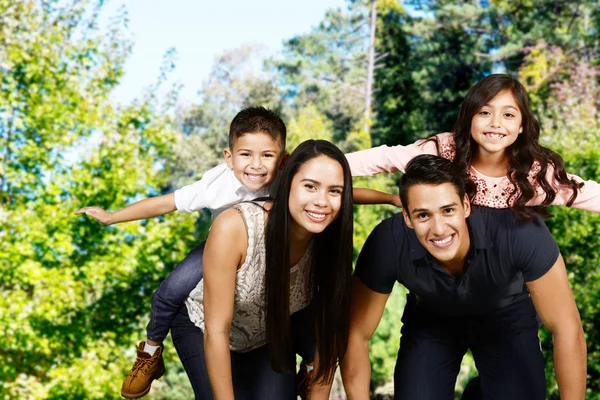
(330, 273)
(522, 154)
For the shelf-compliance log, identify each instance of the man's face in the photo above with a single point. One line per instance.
(438, 216)
(254, 159)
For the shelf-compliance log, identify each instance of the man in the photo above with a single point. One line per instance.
(476, 280)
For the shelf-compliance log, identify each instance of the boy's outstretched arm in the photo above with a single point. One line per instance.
(147, 208)
(370, 196)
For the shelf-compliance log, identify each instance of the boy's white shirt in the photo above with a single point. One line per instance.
(218, 190)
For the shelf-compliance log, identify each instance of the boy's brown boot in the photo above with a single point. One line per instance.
(145, 369)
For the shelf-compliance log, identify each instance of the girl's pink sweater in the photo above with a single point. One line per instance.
(491, 192)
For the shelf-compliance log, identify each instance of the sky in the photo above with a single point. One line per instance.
(200, 30)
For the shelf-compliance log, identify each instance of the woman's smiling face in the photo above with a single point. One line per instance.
(316, 194)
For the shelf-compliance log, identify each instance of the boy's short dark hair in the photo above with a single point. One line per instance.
(428, 169)
(257, 119)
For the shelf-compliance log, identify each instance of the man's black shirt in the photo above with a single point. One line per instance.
(506, 251)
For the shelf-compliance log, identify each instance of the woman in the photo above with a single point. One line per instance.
(256, 274)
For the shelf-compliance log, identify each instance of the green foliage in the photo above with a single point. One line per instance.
(310, 124)
(430, 64)
(573, 130)
(327, 67)
(385, 343)
(71, 292)
(74, 296)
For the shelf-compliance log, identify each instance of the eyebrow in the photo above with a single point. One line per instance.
(318, 183)
(264, 151)
(507, 106)
(415, 210)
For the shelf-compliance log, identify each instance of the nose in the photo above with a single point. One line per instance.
(438, 225)
(495, 121)
(256, 162)
(320, 198)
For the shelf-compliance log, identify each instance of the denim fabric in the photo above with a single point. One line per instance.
(504, 344)
(172, 292)
(253, 377)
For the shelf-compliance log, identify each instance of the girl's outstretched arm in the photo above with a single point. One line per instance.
(588, 197)
(394, 158)
(370, 196)
(147, 208)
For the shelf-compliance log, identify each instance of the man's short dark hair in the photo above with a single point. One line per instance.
(257, 120)
(427, 169)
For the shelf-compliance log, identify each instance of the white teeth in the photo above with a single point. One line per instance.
(316, 216)
(494, 135)
(443, 241)
(254, 177)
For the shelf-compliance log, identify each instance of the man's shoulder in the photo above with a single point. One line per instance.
(504, 226)
(392, 229)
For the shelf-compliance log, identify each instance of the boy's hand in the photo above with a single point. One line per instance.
(104, 217)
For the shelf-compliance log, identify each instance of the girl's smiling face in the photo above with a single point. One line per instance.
(496, 125)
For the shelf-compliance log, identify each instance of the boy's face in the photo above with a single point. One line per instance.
(438, 216)
(254, 159)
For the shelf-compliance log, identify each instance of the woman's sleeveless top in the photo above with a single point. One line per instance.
(248, 327)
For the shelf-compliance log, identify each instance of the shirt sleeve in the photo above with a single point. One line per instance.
(534, 248)
(392, 159)
(377, 262)
(588, 197)
(203, 193)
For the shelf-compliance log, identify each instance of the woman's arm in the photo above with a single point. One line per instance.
(224, 252)
(319, 390)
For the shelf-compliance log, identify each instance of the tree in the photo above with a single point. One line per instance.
(72, 293)
(328, 67)
(433, 61)
(571, 124)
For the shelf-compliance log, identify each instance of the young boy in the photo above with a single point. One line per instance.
(256, 150)
(257, 139)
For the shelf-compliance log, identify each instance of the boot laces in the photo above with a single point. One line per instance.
(142, 364)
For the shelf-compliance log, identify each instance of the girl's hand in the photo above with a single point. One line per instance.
(395, 200)
(104, 217)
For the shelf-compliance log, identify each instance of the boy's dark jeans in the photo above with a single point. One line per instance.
(176, 287)
(172, 292)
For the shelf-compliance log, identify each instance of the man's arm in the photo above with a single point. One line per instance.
(367, 309)
(370, 196)
(147, 208)
(554, 303)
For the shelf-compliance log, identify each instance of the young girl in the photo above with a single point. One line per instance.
(496, 138)
(262, 262)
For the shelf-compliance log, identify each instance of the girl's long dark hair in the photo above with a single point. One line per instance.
(330, 273)
(522, 154)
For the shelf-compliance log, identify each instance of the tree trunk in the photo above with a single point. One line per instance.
(370, 66)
